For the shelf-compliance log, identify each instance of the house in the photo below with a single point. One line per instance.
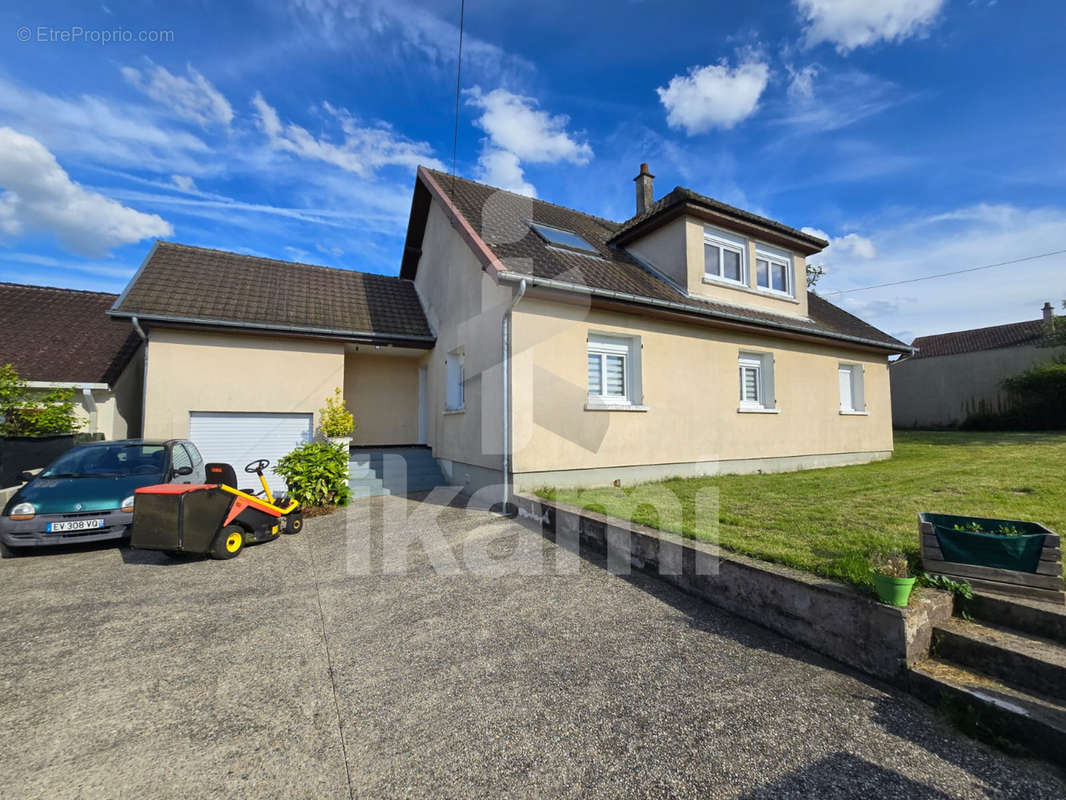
(952, 376)
(63, 338)
(529, 340)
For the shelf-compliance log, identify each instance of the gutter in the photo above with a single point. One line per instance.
(549, 283)
(368, 337)
(85, 386)
(507, 330)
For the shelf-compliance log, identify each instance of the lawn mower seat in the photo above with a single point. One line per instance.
(217, 472)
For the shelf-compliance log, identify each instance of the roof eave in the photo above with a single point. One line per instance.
(687, 206)
(370, 337)
(705, 314)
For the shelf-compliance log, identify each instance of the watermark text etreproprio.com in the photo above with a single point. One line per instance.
(77, 34)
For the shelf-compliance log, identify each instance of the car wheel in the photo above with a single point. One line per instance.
(228, 543)
(9, 552)
(294, 523)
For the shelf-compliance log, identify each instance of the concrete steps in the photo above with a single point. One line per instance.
(393, 470)
(1002, 676)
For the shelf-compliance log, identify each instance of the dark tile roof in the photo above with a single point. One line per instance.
(993, 338)
(182, 283)
(681, 195)
(500, 219)
(63, 335)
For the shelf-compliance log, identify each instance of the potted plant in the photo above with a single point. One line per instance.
(337, 421)
(996, 543)
(892, 578)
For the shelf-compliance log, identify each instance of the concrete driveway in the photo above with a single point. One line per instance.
(290, 672)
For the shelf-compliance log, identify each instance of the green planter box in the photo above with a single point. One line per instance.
(1020, 552)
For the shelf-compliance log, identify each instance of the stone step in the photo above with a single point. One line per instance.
(362, 492)
(992, 710)
(1046, 620)
(1026, 662)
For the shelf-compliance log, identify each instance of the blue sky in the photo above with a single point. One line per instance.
(920, 136)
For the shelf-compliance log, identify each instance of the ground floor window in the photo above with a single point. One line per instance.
(455, 396)
(613, 369)
(756, 381)
(852, 391)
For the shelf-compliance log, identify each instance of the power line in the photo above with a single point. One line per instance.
(458, 83)
(946, 274)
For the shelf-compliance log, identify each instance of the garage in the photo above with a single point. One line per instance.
(238, 438)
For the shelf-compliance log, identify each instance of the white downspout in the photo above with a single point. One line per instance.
(90, 406)
(507, 396)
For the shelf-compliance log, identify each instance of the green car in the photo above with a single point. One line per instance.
(86, 495)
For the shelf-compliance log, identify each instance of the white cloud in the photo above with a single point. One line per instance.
(855, 23)
(193, 98)
(404, 33)
(515, 124)
(849, 246)
(102, 131)
(184, 183)
(38, 195)
(363, 149)
(978, 235)
(516, 131)
(801, 82)
(715, 96)
(821, 102)
(502, 169)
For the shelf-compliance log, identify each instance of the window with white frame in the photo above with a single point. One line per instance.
(852, 391)
(724, 257)
(613, 370)
(756, 381)
(454, 398)
(773, 271)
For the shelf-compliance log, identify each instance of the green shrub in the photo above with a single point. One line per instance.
(336, 419)
(23, 414)
(317, 474)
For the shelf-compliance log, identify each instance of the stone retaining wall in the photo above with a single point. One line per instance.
(827, 616)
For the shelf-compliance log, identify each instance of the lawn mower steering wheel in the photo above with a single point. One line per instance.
(257, 466)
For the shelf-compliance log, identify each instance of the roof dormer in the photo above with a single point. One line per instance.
(713, 251)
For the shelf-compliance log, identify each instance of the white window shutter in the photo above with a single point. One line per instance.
(859, 390)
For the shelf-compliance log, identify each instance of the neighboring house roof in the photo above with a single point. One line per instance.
(495, 224)
(194, 285)
(972, 341)
(63, 335)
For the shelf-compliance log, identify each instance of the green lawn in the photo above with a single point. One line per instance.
(828, 521)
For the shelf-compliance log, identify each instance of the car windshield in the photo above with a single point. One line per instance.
(113, 460)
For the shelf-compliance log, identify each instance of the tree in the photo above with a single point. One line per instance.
(814, 274)
(1055, 331)
(22, 414)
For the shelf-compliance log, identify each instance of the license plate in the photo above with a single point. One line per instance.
(74, 525)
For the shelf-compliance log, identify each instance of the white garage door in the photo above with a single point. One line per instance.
(237, 438)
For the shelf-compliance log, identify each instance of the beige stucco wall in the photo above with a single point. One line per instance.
(382, 393)
(942, 391)
(690, 387)
(207, 371)
(465, 308)
(666, 249)
(128, 394)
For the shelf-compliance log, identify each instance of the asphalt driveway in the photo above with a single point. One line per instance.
(305, 668)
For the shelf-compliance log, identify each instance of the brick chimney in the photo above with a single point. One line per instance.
(1049, 312)
(645, 189)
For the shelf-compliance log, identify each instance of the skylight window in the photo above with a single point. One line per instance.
(562, 238)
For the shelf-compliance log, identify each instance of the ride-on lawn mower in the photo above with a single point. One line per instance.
(215, 518)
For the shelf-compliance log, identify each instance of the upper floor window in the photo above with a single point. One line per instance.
(563, 238)
(724, 257)
(773, 271)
